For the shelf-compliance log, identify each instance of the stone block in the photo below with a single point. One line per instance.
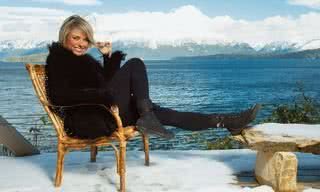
(278, 170)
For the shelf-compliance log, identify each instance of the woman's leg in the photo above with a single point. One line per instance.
(131, 89)
(186, 120)
(234, 122)
(120, 85)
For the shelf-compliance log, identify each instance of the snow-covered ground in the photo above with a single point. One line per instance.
(294, 130)
(170, 171)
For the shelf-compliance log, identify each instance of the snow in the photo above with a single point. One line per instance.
(294, 130)
(23, 44)
(312, 44)
(171, 171)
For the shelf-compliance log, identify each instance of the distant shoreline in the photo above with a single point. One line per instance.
(307, 54)
(313, 54)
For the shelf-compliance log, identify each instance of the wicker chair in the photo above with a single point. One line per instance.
(121, 135)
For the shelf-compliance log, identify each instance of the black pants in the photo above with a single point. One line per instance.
(130, 84)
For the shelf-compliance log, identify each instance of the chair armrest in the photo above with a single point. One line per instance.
(114, 110)
(69, 106)
(81, 104)
(109, 109)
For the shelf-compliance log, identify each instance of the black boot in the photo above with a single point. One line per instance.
(235, 123)
(194, 121)
(148, 122)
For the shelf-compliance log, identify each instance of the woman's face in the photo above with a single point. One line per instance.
(77, 42)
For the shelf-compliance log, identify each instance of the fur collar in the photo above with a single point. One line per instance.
(57, 49)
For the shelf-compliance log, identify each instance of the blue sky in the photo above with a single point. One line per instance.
(256, 22)
(240, 9)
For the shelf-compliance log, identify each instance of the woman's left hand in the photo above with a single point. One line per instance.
(105, 48)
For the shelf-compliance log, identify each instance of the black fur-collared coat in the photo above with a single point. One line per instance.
(73, 80)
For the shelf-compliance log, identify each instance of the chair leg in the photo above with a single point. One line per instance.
(123, 165)
(93, 153)
(116, 153)
(60, 163)
(146, 149)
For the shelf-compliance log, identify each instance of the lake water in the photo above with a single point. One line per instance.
(208, 86)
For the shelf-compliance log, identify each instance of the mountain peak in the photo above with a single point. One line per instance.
(22, 44)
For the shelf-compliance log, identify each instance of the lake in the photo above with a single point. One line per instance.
(208, 86)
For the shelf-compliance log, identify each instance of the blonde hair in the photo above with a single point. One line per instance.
(75, 21)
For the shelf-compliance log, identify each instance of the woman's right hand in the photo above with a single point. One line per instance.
(105, 48)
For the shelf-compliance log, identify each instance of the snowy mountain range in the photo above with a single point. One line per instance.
(17, 50)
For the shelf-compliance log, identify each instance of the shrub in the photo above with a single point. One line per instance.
(303, 109)
(39, 123)
(223, 143)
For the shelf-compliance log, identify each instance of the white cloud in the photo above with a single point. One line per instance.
(189, 23)
(28, 23)
(183, 24)
(308, 3)
(73, 2)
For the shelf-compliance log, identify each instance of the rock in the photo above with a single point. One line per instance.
(260, 141)
(278, 170)
(276, 164)
(14, 141)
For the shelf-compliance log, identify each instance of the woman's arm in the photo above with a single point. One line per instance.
(112, 63)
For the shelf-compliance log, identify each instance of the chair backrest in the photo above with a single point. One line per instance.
(38, 77)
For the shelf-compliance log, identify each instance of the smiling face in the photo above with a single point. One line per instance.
(77, 42)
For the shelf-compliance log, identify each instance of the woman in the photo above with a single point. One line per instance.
(75, 77)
